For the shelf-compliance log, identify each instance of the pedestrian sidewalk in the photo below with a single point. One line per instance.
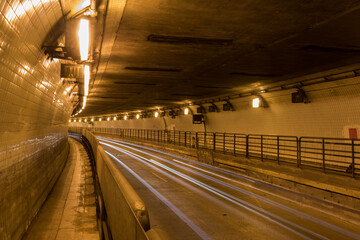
(70, 211)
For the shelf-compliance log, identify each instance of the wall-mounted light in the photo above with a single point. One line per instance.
(256, 102)
(156, 114)
(137, 116)
(108, 118)
(92, 119)
(186, 111)
(125, 117)
(114, 118)
(99, 119)
(85, 120)
(74, 120)
(84, 39)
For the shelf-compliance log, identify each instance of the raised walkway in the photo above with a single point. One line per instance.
(70, 211)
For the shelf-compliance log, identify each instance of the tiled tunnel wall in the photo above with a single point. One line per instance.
(33, 113)
(334, 108)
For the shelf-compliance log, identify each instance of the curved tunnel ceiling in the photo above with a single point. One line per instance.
(159, 53)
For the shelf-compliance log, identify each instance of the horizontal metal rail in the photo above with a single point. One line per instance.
(338, 155)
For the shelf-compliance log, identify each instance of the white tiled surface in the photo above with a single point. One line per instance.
(33, 112)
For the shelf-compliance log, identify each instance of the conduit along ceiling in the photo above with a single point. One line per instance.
(156, 53)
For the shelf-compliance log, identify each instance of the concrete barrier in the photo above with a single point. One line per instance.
(126, 214)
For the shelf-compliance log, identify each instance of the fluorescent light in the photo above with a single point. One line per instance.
(84, 38)
(125, 117)
(86, 79)
(114, 118)
(156, 114)
(84, 102)
(186, 111)
(137, 116)
(256, 103)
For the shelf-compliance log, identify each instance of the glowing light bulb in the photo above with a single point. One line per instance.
(137, 116)
(92, 119)
(186, 111)
(156, 114)
(255, 102)
(114, 118)
(125, 117)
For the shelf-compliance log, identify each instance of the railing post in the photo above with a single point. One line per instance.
(224, 144)
(278, 150)
(214, 142)
(197, 140)
(247, 146)
(185, 138)
(299, 152)
(261, 146)
(205, 141)
(353, 157)
(234, 144)
(323, 153)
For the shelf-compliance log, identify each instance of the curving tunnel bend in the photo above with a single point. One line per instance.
(147, 56)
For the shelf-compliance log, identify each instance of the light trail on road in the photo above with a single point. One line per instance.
(220, 184)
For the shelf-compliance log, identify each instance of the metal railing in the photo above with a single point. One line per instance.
(339, 155)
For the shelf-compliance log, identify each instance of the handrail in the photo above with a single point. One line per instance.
(325, 154)
(126, 213)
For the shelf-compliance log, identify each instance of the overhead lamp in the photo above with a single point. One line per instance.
(156, 114)
(84, 102)
(256, 102)
(92, 119)
(137, 116)
(86, 79)
(84, 39)
(186, 111)
(114, 118)
(125, 117)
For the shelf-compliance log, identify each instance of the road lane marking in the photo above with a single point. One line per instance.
(177, 211)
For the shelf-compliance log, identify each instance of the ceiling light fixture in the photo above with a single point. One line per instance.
(84, 39)
(86, 79)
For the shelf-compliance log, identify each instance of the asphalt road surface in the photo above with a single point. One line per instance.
(191, 200)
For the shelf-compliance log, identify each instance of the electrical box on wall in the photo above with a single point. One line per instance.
(353, 133)
(198, 119)
(212, 108)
